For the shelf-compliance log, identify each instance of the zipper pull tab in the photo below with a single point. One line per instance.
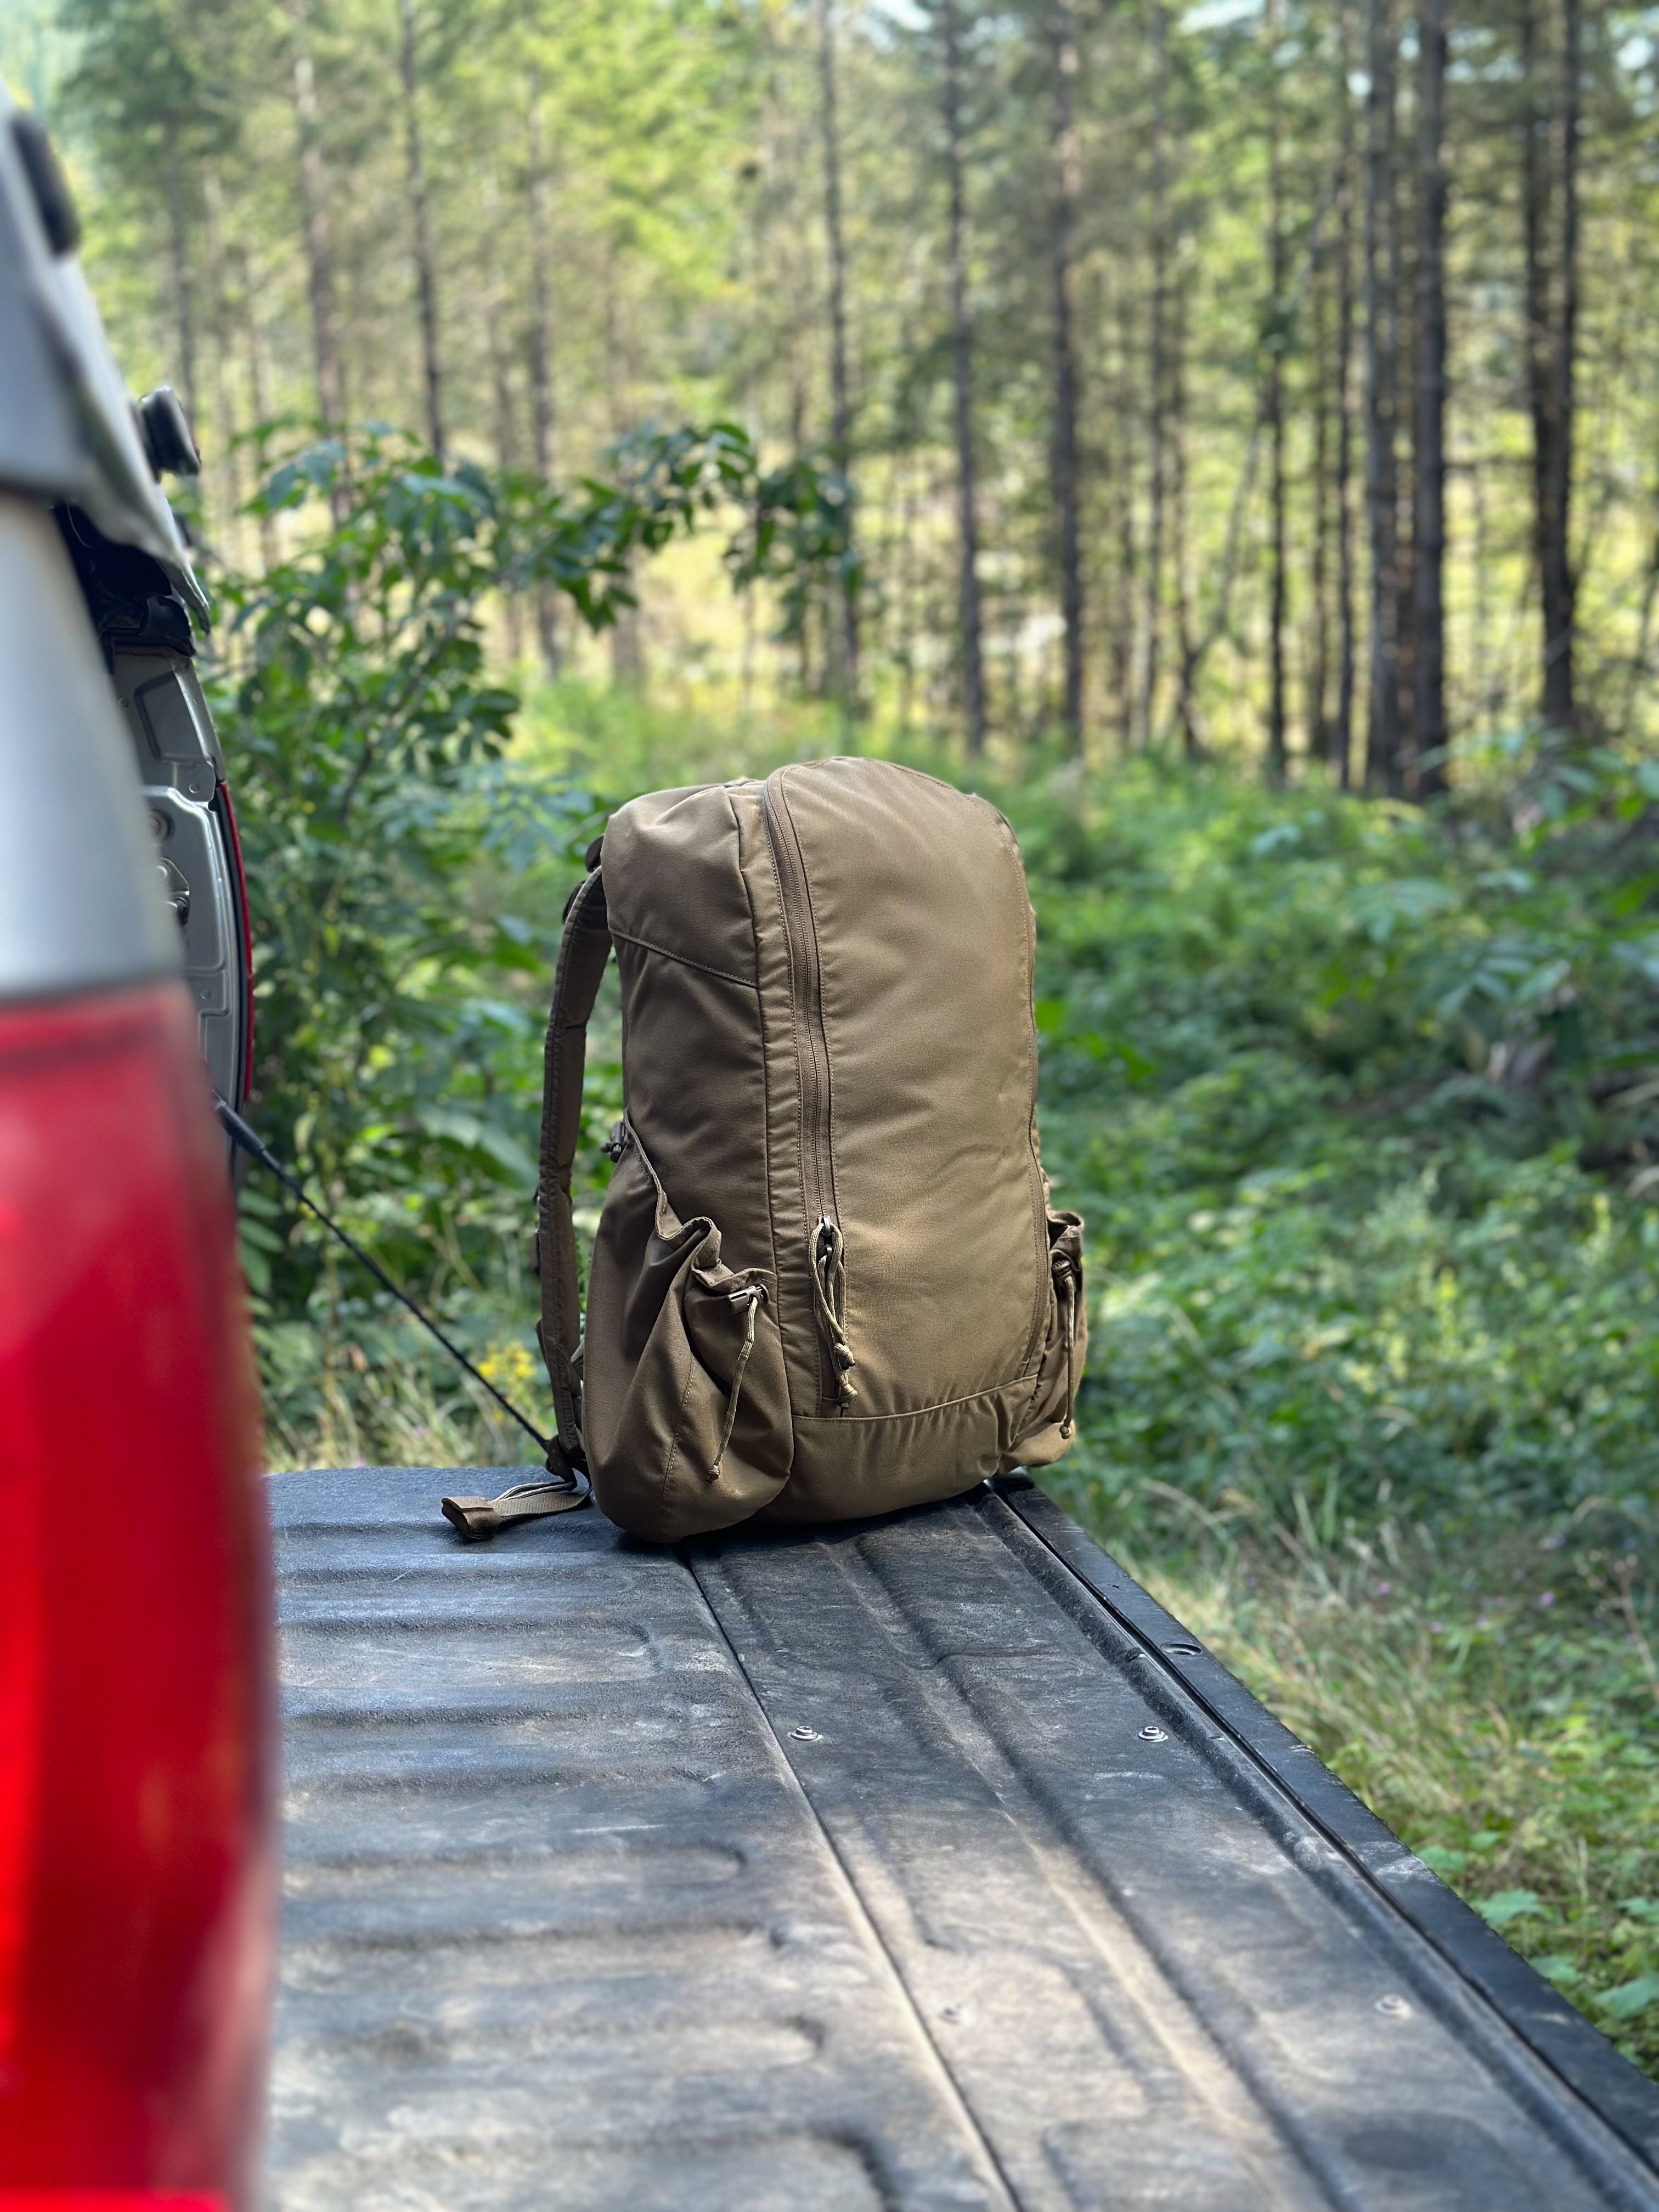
(829, 1295)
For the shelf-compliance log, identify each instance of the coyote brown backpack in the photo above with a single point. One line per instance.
(827, 1281)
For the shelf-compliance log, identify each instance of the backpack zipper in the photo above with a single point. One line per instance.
(823, 1237)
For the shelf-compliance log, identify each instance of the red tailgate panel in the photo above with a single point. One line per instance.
(135, 1734)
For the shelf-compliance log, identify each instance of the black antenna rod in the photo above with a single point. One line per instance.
(240, 1134)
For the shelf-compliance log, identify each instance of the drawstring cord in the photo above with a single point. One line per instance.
(1067, 1287)
(756, 1294)
(829, 1293)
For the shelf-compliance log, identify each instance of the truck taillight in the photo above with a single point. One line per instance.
(137, 1847)
(104, 2200)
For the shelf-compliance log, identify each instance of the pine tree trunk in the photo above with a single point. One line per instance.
(226, 461)
(1275, 414)
(1550, 202)
(426, 277)
(1561, 705)
(962, 360)
(626, 631)
(1186, 706)
(505, 422)
(1319, 657)
(541, 360)
(1342, 729)
(1382, 389)
(840, 429)
(257, 384)
(184, 291)
(1157, 395)
(1118, 478)
(1429, 438)
(501, 356)
(314, 216)
(1064, 152)
(1402, 280)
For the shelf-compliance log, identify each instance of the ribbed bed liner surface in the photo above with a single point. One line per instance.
(923, 1863)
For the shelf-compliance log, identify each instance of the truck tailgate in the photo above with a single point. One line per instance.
(921, 1863)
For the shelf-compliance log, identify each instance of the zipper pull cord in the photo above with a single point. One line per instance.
(755, 1295)
(830, 1291)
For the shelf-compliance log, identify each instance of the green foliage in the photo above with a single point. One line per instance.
(1495, 1708)
(403, 868)
(1358, 1107)
(1329, 1079)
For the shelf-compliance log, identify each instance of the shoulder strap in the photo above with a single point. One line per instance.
(583, 950)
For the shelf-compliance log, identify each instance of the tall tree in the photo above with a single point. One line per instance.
(1429, 434)
(426, 274)
(840, 429)
(1550, 217)
(224, 465)
(1186, 706)
(1063, 151)
(1157, 381)
(184, 286)
(1342, 729)
(1383, 763)
(962, 366)
(315, 220)
(1121, 442)
(541, 345)
(1319, 608)
(1276, 335)
(1112, 212)
(152, 77)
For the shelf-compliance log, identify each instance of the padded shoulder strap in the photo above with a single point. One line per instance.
(583, 950)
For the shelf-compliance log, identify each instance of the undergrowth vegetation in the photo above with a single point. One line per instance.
(1359, 1105)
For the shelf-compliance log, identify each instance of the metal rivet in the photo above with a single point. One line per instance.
(1152, 1733)
(1184, 1651)
(1393, 2008)
(805, 1734)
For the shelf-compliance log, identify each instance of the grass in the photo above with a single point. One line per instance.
(1344, 1098)
(1502, 1723)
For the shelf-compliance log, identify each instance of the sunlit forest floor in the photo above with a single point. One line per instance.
(1373, 1355)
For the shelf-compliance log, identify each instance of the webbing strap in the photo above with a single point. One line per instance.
(583, 950)
(478, 1517)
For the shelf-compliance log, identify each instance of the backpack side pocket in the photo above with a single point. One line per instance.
(687, 1406)
(1047, 1428)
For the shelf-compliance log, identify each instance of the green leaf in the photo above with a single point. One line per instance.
(456, 1127)
(1630, 1998)
(1442, 1860)
(1507, 1904)
(1557, 1969)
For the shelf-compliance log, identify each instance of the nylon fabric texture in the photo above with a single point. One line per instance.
(828, 1280)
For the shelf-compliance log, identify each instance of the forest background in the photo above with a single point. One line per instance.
(1223, 434)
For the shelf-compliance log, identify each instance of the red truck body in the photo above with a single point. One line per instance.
(137, 1743)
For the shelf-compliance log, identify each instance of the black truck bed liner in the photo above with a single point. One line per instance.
(925, 1863)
